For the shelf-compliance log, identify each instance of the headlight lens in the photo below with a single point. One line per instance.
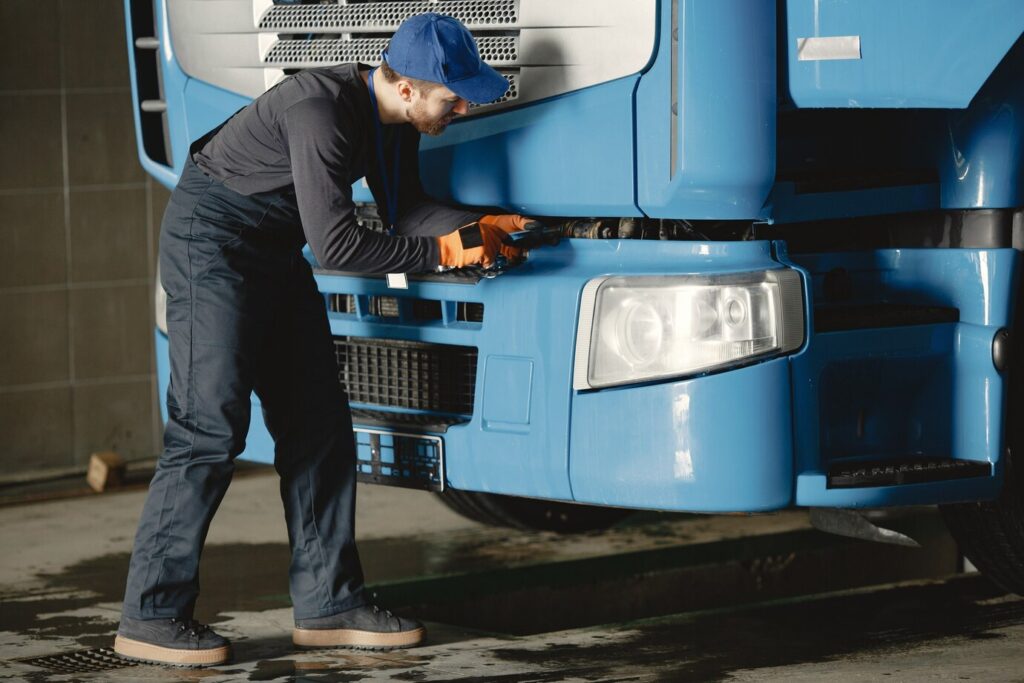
(635, 329)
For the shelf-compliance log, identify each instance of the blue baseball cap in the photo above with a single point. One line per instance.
(434, 47)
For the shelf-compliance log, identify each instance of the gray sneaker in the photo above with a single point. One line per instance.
(177, 642)
(368, 627)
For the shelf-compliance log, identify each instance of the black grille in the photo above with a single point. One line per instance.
(149, 84)
(419, 309)
(403, 374)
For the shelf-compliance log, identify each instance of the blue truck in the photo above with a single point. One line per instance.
(788, 267)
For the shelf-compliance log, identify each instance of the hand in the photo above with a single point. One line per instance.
(533, 233)
(508, 223)
(476, 243)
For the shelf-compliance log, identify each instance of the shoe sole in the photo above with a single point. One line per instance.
(138, 651)
(356, 639)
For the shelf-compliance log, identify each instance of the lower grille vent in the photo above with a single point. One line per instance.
(404, 374)
(419, 309)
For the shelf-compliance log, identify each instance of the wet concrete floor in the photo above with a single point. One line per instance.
(658, 598)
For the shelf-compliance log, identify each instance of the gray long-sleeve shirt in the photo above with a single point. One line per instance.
(313, 134)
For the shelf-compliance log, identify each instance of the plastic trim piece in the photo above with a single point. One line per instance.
(584, 334)
(833, 47)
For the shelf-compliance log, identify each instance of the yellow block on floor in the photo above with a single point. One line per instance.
(106, 470)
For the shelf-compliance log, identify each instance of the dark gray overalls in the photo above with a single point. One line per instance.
(244, 315)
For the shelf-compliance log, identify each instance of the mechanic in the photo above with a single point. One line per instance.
(244, 314)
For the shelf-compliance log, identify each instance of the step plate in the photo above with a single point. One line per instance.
(414, 461)
(908, 471)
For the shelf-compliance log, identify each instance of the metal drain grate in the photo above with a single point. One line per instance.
(80, 661)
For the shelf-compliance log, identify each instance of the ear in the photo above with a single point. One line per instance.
(404, 90)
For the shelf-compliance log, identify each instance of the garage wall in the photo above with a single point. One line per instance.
(78, 220)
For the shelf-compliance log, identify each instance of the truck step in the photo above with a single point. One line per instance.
(893, 472)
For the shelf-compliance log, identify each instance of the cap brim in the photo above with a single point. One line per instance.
(483, 88)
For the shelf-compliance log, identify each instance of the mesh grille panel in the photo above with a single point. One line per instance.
(498, 49)
(384, 15)
(296, 52)
(404, 374)
(493, 50)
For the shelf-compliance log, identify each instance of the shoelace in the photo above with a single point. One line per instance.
(387, 612)
(194, 628)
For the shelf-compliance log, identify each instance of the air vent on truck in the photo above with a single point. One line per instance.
(149, 83)
(543, 48)
(369, 16)
(436, 378)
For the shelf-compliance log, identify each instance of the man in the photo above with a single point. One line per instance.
(244, 314)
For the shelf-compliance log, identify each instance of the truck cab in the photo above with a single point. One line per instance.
(789, 259)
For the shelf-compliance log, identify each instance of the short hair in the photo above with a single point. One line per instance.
(392, 76)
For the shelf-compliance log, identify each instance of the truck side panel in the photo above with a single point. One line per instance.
(903, 53)
(706, 112)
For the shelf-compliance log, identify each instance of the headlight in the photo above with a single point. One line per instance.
(637, 329)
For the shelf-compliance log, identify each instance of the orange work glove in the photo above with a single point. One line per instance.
(476, 243)
(509, 222)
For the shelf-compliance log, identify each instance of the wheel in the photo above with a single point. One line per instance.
(991, 533)
(528, 513)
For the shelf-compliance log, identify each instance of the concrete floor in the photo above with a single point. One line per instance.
(659, 598)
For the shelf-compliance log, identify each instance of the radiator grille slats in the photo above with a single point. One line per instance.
(495, 50)
(544, 47)
(384, 16)
(404, 374)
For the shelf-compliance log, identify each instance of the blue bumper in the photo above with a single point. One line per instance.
(755, 438)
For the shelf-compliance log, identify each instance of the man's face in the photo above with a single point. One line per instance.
(431, 111)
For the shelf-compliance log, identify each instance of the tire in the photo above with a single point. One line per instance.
(531, 514)
(991, 533)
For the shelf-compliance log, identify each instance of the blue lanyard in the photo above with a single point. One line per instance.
(390, 197)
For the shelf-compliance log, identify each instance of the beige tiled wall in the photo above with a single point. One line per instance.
(78, 220)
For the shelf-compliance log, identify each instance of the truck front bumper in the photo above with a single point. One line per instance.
(763, 436)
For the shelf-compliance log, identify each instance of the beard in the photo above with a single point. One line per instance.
(423, 123)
